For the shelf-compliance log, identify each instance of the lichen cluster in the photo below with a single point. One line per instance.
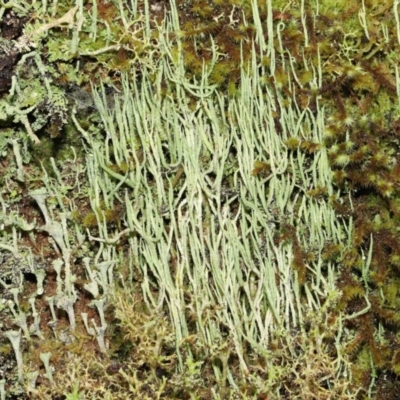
(199, 199)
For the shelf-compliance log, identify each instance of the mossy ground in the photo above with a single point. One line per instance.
(338, 65)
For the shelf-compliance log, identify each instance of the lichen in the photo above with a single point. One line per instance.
(206, 193)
